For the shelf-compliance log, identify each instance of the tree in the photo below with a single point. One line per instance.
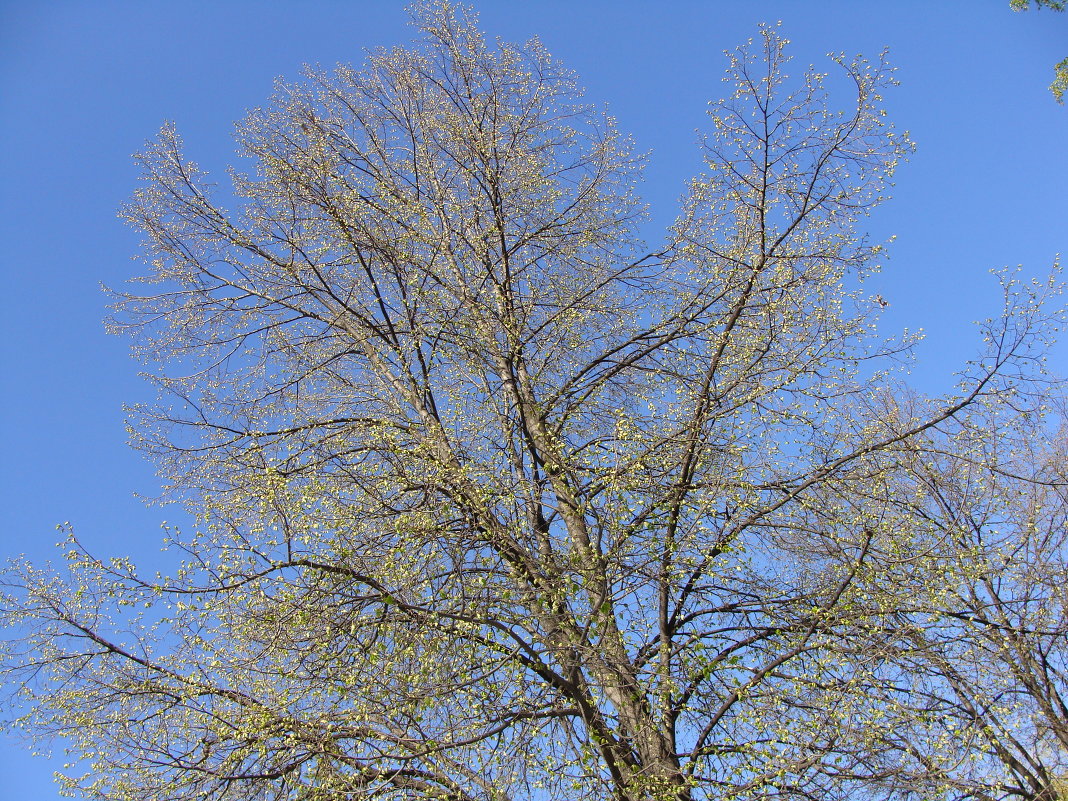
(997, 656)
(492, 503)
(973, 681)
(1060, 69)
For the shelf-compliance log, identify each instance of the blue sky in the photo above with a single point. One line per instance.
(84, 84)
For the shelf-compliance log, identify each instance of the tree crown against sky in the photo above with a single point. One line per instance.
(495, 503)
(1060, 69)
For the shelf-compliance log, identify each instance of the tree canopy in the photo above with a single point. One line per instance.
(1060, 69)
(495, 501)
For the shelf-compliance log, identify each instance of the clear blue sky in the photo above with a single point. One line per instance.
(84, 84)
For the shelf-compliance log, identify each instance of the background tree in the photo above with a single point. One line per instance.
(1060, 69)
(969, 668)
(492, 503)
(990, 650)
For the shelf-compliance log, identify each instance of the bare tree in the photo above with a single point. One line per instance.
(492, 503)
